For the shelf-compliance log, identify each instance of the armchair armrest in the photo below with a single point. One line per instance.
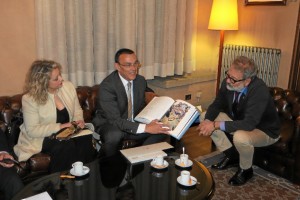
(39, 162)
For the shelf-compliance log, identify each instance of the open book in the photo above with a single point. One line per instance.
(177, 115)
(74, 131)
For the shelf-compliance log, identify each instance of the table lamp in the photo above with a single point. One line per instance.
(223, 16)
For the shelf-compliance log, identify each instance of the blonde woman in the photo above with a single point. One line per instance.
(49, 105)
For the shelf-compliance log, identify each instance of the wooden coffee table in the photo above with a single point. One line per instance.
(114, 177)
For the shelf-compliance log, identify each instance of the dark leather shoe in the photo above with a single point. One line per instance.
(241, 177)
(225, 163)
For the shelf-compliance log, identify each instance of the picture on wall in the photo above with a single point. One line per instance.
(265, 2)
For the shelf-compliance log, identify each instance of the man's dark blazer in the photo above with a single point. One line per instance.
(3, 142)
(256, 109)
(112, 102)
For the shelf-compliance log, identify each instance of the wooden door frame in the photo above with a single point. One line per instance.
(294, 78)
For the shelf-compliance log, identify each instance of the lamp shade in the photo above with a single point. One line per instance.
(223, 15)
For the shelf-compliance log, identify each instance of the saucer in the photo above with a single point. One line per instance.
(177, 162)
(86, 170)
(192, 181)
(166, 164)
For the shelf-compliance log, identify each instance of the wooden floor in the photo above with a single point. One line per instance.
(194, 144)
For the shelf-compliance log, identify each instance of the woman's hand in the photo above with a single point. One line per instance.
(80, 123)
(65, 125)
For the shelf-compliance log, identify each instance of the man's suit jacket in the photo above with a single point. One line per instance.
(256, 109)
(3, 142)
(112, 102)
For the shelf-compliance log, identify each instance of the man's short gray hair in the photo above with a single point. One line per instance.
(245, 65)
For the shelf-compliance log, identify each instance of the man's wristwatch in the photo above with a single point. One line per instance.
(215, 128)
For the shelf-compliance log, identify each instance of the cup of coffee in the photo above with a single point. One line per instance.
(78, 167)
(159, 160)
(184, 158)
(185, 177)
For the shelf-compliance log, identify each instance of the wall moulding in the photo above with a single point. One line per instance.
(178, 81)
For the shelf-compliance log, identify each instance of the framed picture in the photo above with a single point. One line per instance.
(265, 2)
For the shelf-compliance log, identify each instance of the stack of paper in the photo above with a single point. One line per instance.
(147, 152)
(44, 196)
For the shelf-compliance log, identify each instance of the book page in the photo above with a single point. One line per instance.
(179, 117)
(156, 109)
(87, 130)
(82, 133)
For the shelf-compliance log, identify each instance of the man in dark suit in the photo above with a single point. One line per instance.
(242, 116)
(10, 182)
(121, 98)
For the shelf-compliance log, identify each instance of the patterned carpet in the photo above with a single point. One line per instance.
(263, 185)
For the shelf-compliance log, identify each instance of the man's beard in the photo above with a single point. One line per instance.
(236, 89)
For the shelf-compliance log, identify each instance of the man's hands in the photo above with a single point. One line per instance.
(206, 128)
(156, 127)
(4, 155)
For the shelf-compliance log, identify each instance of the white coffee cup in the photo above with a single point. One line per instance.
(78, 167)
(184, 158)
(185, 177)
(159, 160)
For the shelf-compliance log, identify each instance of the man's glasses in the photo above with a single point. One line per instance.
(128, 65)
(232, 80)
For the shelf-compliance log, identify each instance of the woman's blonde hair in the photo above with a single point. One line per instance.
(37, 79)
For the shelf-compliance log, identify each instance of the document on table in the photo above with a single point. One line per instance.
(44, 196)
(147, 152)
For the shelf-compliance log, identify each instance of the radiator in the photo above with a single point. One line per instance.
(266, 59)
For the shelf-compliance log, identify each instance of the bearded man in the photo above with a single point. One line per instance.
(241, 117)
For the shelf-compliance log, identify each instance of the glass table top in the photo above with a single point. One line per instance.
(115, 178)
